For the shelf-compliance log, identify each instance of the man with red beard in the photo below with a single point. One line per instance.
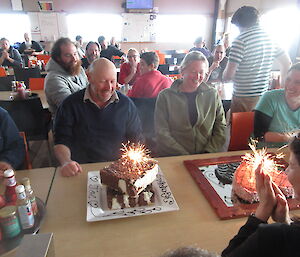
(65, 74)
(91, 125)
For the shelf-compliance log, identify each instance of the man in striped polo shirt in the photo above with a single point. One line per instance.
(250, 60)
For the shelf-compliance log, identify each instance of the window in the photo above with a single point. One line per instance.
(16, 26)
(180, 28)
(91, 25)
(281, 24)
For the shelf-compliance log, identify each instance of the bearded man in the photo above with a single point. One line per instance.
(65, 74)
(92, 53)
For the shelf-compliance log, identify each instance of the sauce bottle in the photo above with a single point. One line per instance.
(24, 209)
(11, 183)
(30, 195)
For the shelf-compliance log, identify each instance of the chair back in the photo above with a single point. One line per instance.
(23, 74)
(36, 83)
(29, 116)
(242, 125)
(43, 57)
(5, 83)
(146, 107)
(2, 72)
(27, 162)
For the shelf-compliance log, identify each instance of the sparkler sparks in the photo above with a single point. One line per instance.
(136, 158)
(260, 156)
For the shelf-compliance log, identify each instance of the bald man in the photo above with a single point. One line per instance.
(92, 124)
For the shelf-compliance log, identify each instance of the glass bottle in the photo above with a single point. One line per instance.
(24, 209)
(30, 195)
(11, 183)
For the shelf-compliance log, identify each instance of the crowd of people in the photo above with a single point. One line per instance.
(91, 118)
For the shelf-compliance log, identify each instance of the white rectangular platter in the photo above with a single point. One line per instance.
(97, 209)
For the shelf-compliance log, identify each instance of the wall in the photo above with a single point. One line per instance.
(114, 6)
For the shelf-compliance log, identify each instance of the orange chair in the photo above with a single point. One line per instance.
(36, 83)
(27, 162)
(2, 72)
(43, 57)
(242, 125)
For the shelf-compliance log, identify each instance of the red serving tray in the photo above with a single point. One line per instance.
(222, 210)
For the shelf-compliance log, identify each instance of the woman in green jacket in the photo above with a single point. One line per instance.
(189, 116)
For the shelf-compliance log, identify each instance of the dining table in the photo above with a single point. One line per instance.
(41, 181)
(194, 224)
(6, 95)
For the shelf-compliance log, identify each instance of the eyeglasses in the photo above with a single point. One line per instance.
(132, 56)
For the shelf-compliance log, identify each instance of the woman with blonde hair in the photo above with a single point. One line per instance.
(189, 116)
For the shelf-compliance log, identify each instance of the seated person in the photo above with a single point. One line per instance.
(199, 45)
(92, 53)
(12, 151)
(113, 42)
(151, 81)
(79, 46)
(189, 116)
(217, 64)
(92, 124)
(256, 237)
(65, 74)
(130, 70)
(8, 55)
(108, 51)
(30, 47)
(277, 114)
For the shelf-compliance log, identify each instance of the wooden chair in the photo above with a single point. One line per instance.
(36, 83)
(242, 125)
(27, 161)
(2, 72)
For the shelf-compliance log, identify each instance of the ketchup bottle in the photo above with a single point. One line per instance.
(11, 183)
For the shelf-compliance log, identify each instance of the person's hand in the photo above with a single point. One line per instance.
(133, 66)
(266, 194)
(3, 167)
(69, 169)
(214, 65)
(5, 55)
(281, 211)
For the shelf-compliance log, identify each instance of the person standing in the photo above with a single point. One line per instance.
(250, 60)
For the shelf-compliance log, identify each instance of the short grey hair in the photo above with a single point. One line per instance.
(189, 251)
(193, 56)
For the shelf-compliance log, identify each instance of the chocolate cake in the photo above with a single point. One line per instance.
(117, 200)
(244, 184)
(129, 179)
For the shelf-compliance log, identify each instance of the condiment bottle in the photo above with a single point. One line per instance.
(9, 221)
(24, 208)
(11, 183)
(30, 195)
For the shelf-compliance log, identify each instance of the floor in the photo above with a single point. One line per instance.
(40, 155)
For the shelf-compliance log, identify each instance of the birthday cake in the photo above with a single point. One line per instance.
(244, 181)
(117, 200)
(128, 179)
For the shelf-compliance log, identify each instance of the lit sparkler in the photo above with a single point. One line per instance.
(260, 156)
(136, 157)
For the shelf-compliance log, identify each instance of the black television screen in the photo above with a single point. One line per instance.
(139, 4)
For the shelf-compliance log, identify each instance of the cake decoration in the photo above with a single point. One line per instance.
(244, 184)
(128, 177)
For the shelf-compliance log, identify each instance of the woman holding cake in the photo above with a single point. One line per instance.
(189, 116)
(256, 237)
